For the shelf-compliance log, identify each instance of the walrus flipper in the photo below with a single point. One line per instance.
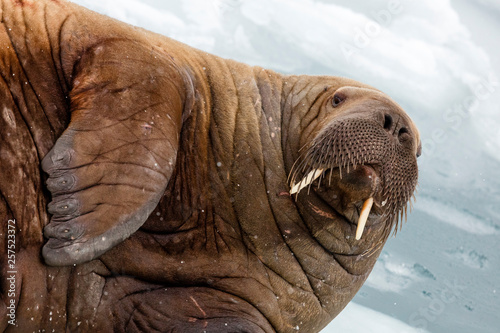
(109, 169)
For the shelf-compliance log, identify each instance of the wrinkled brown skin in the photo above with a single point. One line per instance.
(147, 126)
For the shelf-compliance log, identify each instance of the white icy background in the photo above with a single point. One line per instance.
(440, 59)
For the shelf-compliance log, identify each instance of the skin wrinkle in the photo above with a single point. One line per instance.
(50, 48)
(130, 320)
(313, 117)
(325, 230)
(234, 238)
(190, 101)
(265, 118)
(15, 100)
(215, 141)
(60, 42)
(286, 127)
(298, 93)
(322, 247)
(296, 258)
(4, 199)
(216, 137)
(237, 130)
(284, 119)
(232, 152)
(307, 291)
(219, 238)
(287, 113)
(103, 86)
(206, 232)
(139, 324)
(75, 92)
(306, 133)
(40, 104)
(140, 292)
(111, 184)
(16, 104)
(101, 294)
(245, 301)
(268, 287)
(128, 143)
(305, 273)
(156, 157)
(124, 89)
(218, 234)
(67, 298)
(24, 25)
(344, 267)
(281, 232)
(112, 162)
(118, 123)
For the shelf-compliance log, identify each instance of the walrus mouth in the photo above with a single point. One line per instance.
(365, 210)
(359, 144)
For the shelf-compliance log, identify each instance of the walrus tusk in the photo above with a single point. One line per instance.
(311, 176)
(363, 216)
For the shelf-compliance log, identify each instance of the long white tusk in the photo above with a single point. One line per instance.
(363, 217)
(311, 176)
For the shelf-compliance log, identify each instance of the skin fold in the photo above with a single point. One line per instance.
(150, 182)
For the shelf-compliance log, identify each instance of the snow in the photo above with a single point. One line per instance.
(440, 59)
(457, 218)
(357, 318)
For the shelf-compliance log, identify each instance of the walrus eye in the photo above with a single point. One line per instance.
(337, 100)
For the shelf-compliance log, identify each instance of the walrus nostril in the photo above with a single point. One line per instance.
(387, 122)
(402, 131)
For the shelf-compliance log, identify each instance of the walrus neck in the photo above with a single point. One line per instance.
(241, 138)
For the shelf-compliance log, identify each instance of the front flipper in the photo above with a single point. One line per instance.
(111, 166)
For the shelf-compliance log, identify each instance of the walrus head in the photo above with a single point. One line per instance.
(357, 164)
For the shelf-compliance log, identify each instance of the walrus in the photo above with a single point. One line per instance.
(149, 186)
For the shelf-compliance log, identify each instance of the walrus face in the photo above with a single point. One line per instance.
(358, 162)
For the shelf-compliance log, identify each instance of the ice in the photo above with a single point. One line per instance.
(394, 274)
(470, 258)
(357, 318)
(457, 218)
(440, 60)
(490, 4)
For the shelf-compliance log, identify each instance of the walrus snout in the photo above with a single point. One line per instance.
(362, 157)
(357, 103)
